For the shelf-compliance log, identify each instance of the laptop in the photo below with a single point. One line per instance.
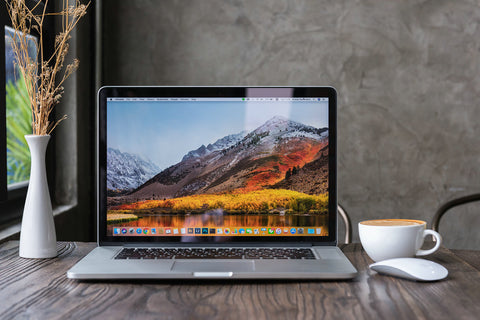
(216, 183)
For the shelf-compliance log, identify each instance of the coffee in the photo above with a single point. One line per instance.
(385, 239)
(392, 222)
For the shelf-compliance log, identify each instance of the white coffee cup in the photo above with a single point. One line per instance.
(395, 238)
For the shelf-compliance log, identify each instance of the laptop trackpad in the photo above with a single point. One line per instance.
(213, 266)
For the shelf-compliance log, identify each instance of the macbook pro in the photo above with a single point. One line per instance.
(216, 182)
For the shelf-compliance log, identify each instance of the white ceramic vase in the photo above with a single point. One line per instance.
(37, 237)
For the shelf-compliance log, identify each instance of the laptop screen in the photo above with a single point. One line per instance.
(253, 166)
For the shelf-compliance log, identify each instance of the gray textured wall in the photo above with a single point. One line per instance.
(407, 74)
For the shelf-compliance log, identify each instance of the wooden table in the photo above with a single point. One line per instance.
(39, 289)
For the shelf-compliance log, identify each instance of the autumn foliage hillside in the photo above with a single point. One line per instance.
(259, 201)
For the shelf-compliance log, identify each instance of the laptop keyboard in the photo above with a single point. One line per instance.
(215, 253)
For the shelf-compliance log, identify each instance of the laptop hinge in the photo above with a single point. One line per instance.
(190, 245)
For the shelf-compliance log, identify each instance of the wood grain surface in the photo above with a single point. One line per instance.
(39, 289)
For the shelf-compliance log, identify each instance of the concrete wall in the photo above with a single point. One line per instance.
(407, 74)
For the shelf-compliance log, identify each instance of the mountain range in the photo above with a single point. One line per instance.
(220, 144)
(248, 161)
(126, 171)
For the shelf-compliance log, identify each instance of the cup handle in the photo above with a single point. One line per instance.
(438, 239)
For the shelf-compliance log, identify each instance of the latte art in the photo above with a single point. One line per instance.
(393, 222)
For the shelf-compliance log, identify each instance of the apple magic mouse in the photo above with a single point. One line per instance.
(411, 268)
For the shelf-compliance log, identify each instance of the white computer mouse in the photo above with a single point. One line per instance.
(411, 268)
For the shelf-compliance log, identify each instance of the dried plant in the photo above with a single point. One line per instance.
(44, 77)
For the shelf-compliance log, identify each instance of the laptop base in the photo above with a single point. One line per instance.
(330, 263)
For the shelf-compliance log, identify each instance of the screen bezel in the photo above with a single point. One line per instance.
(214, 92)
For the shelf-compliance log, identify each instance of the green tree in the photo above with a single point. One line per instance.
(19, 123)
(288, 174)
(294, 170)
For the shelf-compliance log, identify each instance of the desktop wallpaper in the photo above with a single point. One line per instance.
(222, 168)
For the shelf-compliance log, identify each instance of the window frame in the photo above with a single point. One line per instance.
(3, 110)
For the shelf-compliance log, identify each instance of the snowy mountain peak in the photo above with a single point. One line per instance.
(126, 171)
(279, 125)
(220, 144)
(274, 124)
(277, 120)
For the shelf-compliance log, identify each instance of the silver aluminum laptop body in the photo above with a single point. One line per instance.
(216, 182)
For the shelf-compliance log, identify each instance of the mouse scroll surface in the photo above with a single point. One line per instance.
(411, 268)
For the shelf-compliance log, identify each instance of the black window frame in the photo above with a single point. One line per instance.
(3, 119)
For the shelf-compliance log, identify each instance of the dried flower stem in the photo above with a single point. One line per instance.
(40, 76)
